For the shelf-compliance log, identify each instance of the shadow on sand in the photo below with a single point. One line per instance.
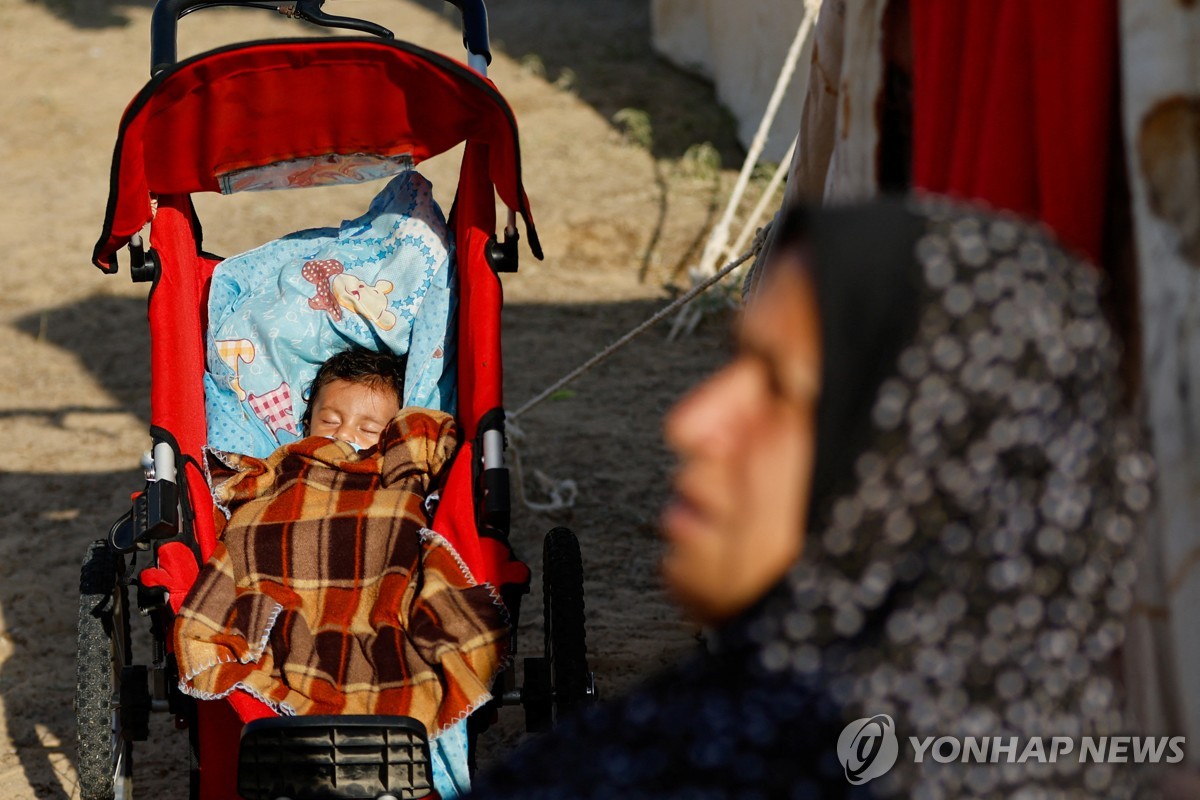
(93, 14)
(49, 516)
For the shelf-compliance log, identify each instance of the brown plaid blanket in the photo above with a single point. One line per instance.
(327, 595)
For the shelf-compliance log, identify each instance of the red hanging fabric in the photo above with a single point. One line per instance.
(1014, 104)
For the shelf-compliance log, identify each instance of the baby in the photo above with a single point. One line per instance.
(354, 395)
(327, 593)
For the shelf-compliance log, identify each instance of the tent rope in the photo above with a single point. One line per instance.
(687, 320)
(679, 302)
(718, 244)
(562, 493)
(719, 238)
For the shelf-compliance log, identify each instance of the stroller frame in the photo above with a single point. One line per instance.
(171, 518)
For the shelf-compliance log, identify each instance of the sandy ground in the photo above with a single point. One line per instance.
(619, 215)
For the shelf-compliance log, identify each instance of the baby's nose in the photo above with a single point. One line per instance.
(347, 433)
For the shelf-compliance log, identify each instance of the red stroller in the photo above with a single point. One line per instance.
(285, 100)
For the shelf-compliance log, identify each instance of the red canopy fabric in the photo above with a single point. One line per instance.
(256, 104)
(1014, 104)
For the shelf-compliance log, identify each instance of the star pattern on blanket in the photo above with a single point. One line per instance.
(407, 307)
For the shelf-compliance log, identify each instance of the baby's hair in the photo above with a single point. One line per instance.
(357, 365)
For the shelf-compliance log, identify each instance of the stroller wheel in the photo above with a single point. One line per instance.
(103, 649)
(566, 648)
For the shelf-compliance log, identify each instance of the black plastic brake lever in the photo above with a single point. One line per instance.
(311, 11)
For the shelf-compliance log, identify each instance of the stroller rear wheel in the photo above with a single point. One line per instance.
(566, 647)
(103, 649)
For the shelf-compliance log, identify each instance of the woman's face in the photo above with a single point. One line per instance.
(745, 440)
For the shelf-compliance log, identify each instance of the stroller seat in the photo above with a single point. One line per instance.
(252, 116)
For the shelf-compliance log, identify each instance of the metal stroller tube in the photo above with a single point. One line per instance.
(476, 37)
(164, 25)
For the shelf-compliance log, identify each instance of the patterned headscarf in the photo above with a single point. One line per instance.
(976, 494)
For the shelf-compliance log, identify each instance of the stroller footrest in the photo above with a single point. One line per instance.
(330, 758)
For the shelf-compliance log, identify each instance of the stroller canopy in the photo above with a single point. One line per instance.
(255, 105)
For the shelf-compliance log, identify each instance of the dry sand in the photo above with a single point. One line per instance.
(618, 222)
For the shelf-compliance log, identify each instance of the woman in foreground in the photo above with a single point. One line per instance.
(904, 509)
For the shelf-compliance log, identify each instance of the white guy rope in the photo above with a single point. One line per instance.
(689, 318)
(680, 301)
(719, 237)
(718, 240)
(562, 493)
(752, 221)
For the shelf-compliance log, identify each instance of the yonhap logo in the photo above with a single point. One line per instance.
(868, 748)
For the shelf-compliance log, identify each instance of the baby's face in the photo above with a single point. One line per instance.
(352, 412)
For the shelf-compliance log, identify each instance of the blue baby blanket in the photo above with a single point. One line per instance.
(383, 280)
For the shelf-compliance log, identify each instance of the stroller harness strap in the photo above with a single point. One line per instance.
(301, 100)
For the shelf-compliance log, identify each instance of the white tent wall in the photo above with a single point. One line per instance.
(1161, 87)
(740, 47)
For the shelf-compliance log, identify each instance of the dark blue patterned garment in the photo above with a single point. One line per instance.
(719, 725)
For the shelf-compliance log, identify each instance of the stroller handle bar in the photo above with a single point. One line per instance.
(164, 24)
